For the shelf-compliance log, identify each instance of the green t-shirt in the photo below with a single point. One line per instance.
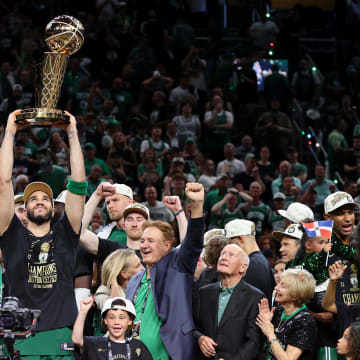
(150, 321)
(96, 161)
(55, 179)
(216, 138)
(123, 100)
(92, 187)
(31, 150)
(118, 236)
(227, 215)
(289, 200)
(276, 221)
(211, 199)
(298, 169)
(259, 214)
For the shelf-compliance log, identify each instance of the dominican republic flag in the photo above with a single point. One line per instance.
(319, 228)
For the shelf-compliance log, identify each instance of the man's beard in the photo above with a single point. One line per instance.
(39, 219)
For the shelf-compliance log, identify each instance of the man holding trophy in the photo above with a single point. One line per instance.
(40, 258)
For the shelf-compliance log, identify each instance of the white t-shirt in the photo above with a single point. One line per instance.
(160, 212)
(236, 167)
(207, 181)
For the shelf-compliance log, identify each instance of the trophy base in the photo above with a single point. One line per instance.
(42, 117)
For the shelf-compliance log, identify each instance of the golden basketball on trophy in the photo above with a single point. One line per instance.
(64, 36)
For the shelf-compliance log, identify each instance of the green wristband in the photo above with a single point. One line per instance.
(77, 187)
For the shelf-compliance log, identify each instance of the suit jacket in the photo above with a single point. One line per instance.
(237, 336)
(172, 281)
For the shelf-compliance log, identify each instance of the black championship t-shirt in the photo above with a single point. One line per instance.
(348, 288)
(41, 271)
(97, 348)
(346, 315)
(299, 331)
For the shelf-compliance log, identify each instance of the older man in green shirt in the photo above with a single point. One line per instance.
(231, 329)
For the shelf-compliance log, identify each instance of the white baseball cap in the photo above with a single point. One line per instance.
(213, 233)
(61, 198)
(293, 231)
(123, 190)
(336, 200)
(279, 195)
(19, 198)
(127, 306)
(239, 227)
(297, 212)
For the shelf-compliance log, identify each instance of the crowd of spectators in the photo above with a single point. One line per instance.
(175, 121)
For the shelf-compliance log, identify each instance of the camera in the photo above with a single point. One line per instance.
(15, 318)
(16, 323)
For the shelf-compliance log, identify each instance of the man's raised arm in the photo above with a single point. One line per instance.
(88, 240)
(77, 185)
(192, 245)
(103, 190)
(6, 165)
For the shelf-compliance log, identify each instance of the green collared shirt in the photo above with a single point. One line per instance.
(224, 297)
(150, 321)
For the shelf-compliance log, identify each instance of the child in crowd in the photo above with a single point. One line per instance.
(349, 344)
(118, 316)
(315, 246)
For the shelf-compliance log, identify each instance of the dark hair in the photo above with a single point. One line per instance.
(20, 143)
(116, 302)
(279, 262)
(120, 302)
(355, 341)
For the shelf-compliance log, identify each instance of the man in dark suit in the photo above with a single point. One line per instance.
(226, 311)
(162, 292)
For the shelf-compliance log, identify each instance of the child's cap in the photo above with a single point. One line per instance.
(118, 303)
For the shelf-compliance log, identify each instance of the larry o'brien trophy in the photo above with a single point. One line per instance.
(64, 36)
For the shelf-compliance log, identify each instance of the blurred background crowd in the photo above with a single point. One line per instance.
(250, 96)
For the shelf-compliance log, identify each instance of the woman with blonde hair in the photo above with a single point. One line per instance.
(290, 329)
(116, 272)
